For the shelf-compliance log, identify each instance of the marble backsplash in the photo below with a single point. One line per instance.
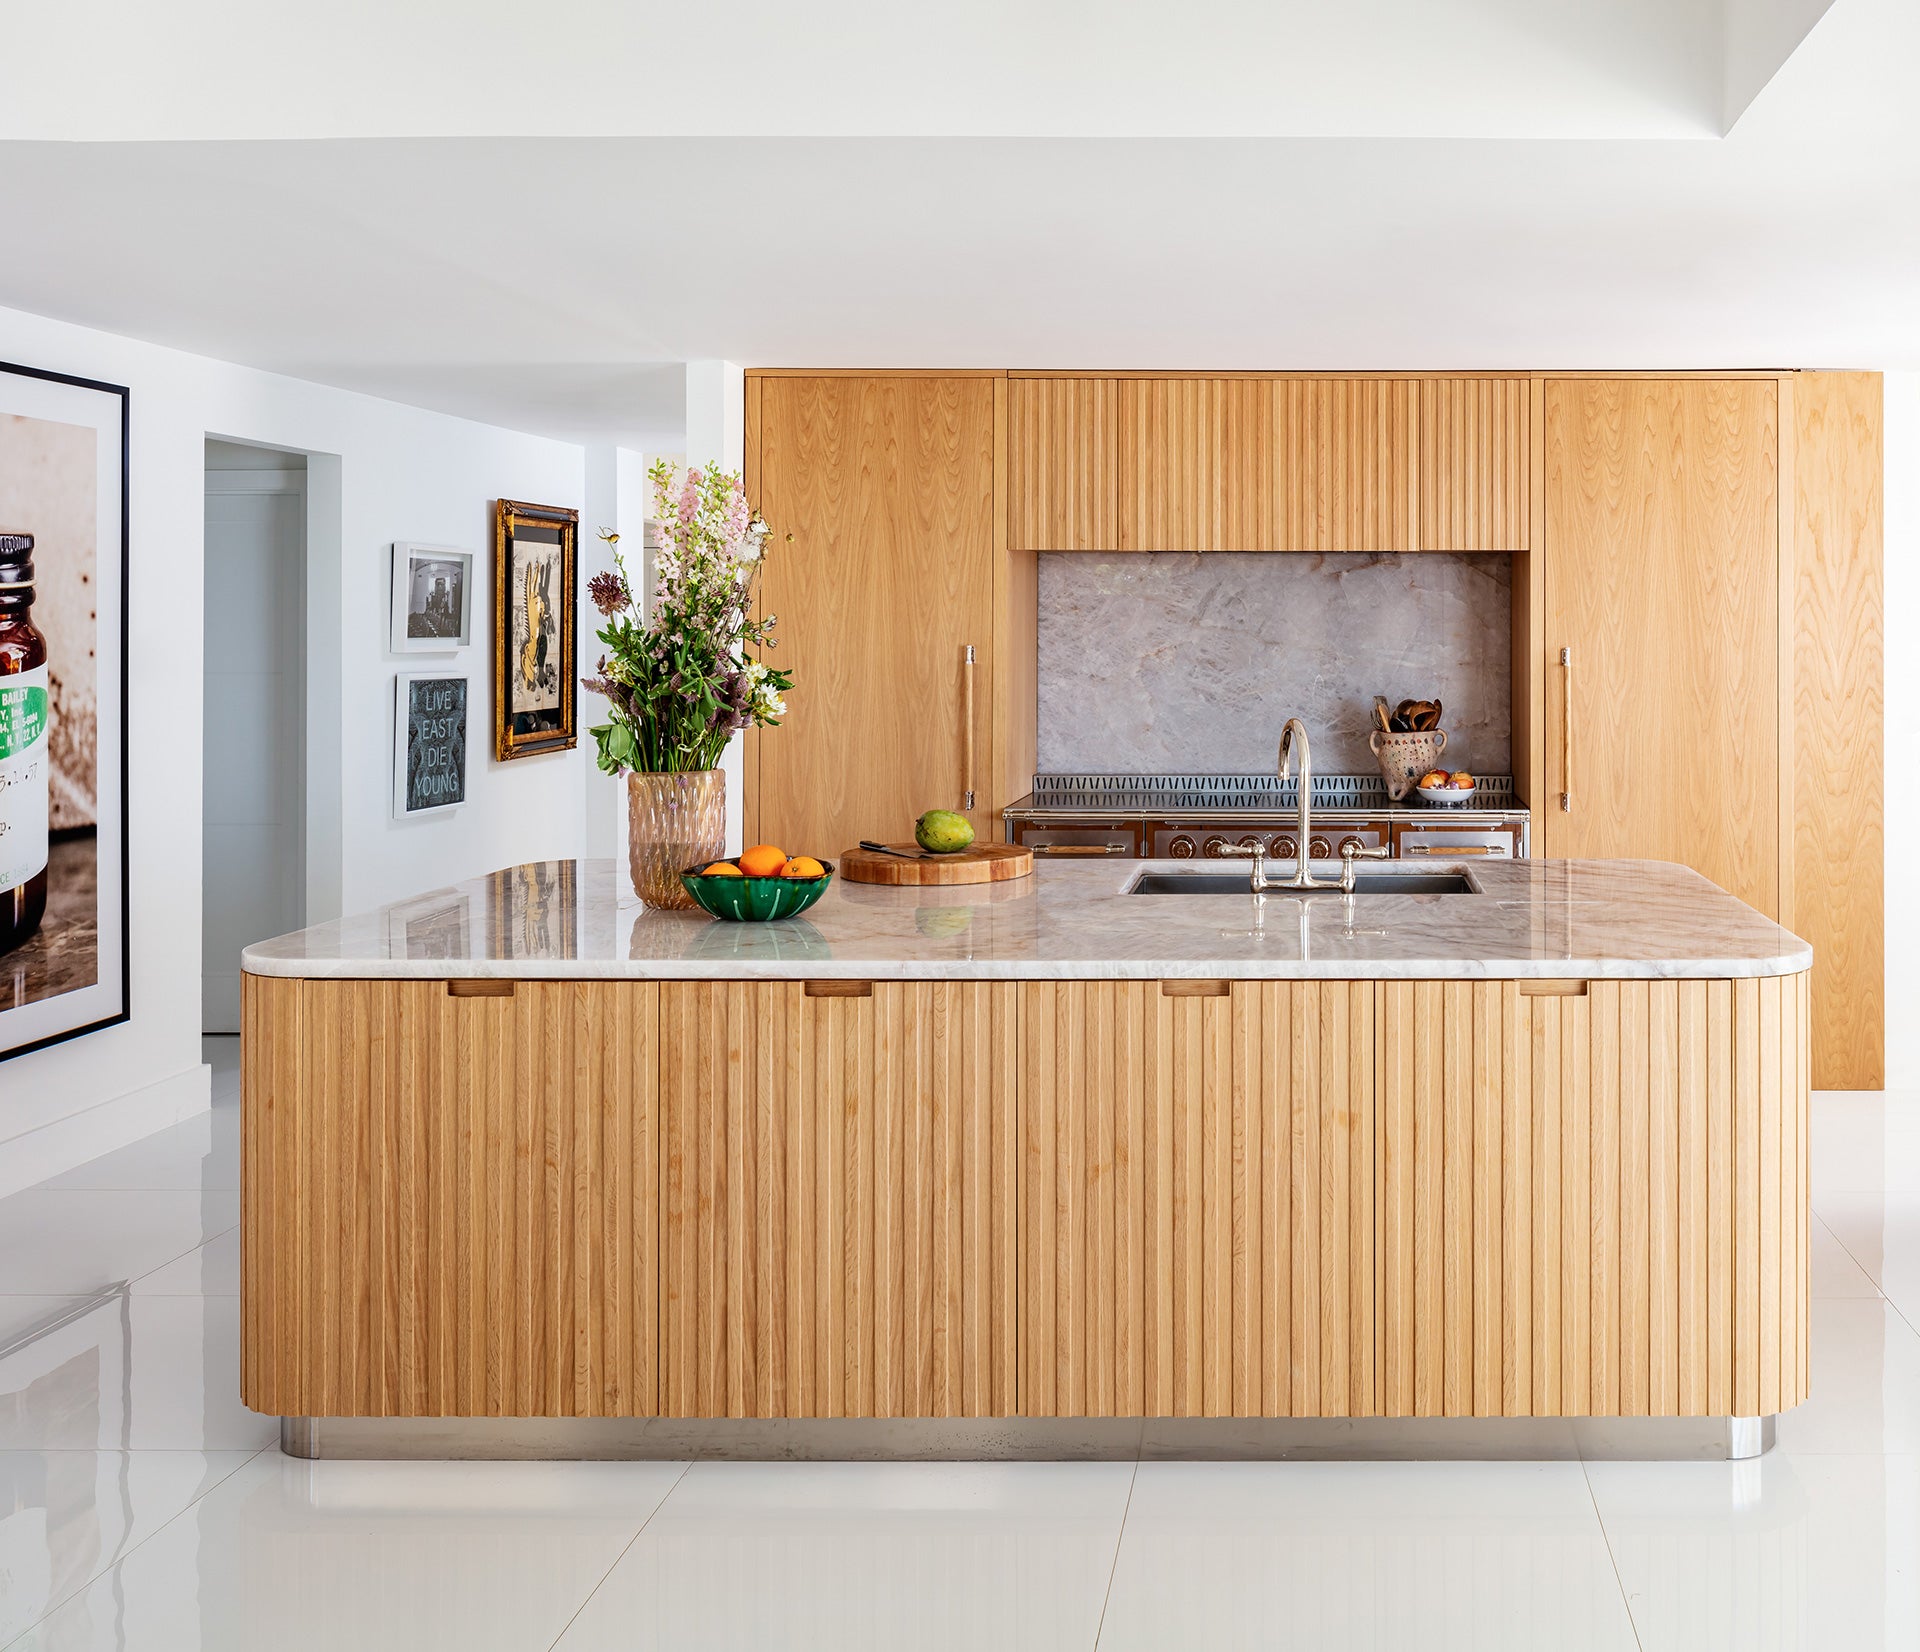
(1186, 664)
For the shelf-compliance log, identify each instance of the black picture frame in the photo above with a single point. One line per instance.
(121, 566)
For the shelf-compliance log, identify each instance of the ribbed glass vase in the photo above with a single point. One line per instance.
(674, 821)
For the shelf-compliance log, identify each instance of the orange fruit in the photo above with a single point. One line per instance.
(803, 866)
(721, 869)
(763, 860)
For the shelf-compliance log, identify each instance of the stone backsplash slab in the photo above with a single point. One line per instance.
(1176, 662)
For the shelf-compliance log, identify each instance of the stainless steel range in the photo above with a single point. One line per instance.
(1204, 816)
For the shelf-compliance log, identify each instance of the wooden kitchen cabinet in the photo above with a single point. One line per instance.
(886, 483)
(1063, 464)
(1474, 462)
(1663, 581)
(1593, 1197)
(838, 1201)
(450, 1202)
(1198, 1210)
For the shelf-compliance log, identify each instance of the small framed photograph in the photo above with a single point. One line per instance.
(429, 744)
(432, 599)
(534, 617)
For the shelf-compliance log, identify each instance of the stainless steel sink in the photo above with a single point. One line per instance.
(1368, 883)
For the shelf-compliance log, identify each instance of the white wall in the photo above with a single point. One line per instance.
(1902, 690)
(394, 473)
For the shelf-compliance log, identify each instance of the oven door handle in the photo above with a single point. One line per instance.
(1455, 849)
(1078, 848)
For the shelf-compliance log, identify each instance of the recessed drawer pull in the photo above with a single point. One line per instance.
(839, 989)
(480, 989)
(1553, 989)
(1195, 989)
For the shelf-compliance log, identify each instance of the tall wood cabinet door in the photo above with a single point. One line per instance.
(1662, 582)
(838, 1203)
(887, 485)
(1197, 1195)
(1593, 1198)
(1475, 467)
(450, 1203)
(1063, 464)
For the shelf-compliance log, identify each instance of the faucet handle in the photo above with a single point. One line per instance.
(1353, 850)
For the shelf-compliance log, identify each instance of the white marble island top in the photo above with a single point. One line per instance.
(557, 920)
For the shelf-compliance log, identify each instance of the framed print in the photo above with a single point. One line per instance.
(533, 629)
(64, 962)
(432, 599)
(429, 744)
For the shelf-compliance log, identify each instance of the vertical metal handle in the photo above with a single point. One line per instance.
(966, 727)
(1566, 732)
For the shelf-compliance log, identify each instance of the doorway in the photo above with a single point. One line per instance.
(253, 802)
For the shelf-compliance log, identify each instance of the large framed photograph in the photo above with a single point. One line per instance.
(63, 707)
(429, 744)
(432, 599)
(534, 612)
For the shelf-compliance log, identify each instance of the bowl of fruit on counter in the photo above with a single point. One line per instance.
(758, 884)
(1438, 786)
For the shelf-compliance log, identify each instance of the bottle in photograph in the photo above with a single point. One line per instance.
(25, 780)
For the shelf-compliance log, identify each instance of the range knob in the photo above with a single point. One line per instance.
(1181, 848)
(1355, 842)
(1320, 849)
(1285, 848)
(1214, 848)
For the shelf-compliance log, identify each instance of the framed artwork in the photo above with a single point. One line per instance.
(64, 955)
(429, 744)
(534, 616)
(432, 599)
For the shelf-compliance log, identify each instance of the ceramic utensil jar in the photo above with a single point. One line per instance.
(1403, 758)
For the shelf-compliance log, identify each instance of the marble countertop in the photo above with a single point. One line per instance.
(1525, 919)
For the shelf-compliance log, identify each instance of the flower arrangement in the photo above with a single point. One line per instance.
(681, 680)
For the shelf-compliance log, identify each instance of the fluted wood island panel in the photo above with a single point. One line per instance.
(485, 1197)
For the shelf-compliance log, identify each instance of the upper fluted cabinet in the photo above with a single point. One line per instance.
(1268, 463)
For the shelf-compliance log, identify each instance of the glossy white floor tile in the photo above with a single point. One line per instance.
(348, 1557)
(200, 1154)
(70, 1241)
(133, 1372)
(66, 1516)
(1864, 1378)
(23, 1316)
(848, 1556)
(1785, 1552)
(1834, 1271)
(1382, 1556)
(214, 1270)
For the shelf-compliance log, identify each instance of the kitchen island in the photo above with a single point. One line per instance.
(1045, 1149)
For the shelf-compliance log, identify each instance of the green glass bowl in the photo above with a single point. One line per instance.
(755, 900)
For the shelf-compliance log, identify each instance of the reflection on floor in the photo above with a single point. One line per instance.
(142, 1507)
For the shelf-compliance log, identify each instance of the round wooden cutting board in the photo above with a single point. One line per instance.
(980, 863)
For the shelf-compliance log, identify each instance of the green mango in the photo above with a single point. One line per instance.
(942, 832)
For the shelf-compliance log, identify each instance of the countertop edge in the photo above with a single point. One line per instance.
(1558, 969)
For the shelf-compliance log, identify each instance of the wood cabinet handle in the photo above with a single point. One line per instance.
(1195, 989)
(1566, 732)
(472, 988)
(838, 989)
(966, 727)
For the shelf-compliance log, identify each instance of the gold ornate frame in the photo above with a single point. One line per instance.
(509, 516)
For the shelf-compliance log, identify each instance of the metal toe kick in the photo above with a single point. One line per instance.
(1121, 1439)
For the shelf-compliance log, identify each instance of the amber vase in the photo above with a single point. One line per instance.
(674, 821)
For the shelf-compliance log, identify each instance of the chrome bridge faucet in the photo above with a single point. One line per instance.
(1295, 734)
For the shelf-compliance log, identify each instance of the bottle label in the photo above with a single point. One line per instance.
(24, 778)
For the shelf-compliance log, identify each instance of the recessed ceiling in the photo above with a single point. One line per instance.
(547, 283)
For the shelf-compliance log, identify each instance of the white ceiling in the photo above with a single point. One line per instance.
(211, 69)
(550, 282)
